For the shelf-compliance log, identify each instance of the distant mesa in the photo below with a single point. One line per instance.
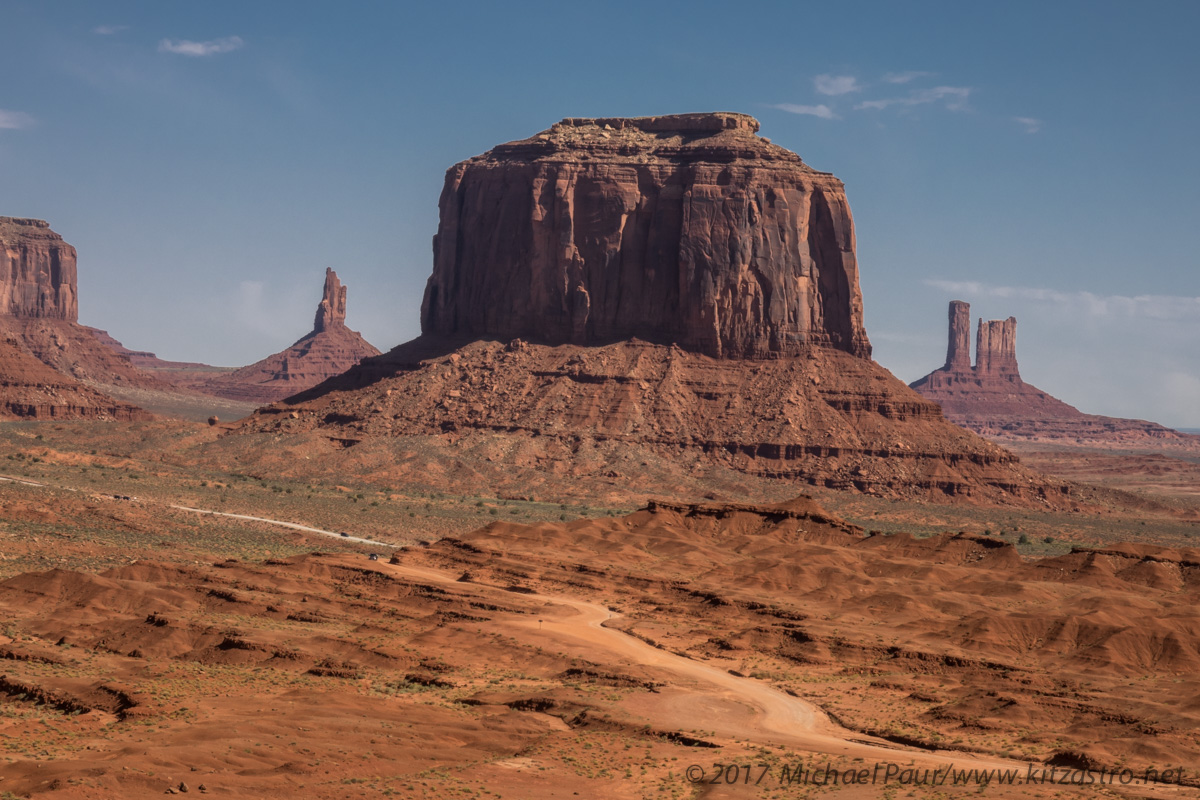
(145, 360)
(54, 368)
(51, 367)
(328, 350)
(992, 399)
(993, 386)
(672, 290)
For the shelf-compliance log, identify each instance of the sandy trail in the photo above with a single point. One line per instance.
(292, 525)
(780, 719)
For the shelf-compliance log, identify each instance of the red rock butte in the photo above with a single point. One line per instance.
(50, 366)
(675, 290)
(993, 385)
(992, 399)
(686, 229)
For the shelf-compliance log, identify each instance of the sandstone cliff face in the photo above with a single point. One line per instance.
(958, 352)
(330, 349)
(685, 229)
(51, 366)
(692, 295)
(37, 271)
(996, 347)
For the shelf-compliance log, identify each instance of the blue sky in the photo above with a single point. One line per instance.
(210, 160)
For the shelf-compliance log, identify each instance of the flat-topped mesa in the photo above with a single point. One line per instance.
(996, 348)
(686, 229)
(37, 271)
(711, 122)
(331, 311)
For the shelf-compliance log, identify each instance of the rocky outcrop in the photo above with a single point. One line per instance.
(330, 349)
(958, 352)
(331, 312)
(32, 390)
(686, 229)
(996, 347)
(691, 293)
(53, 368)
(991, 398)
(501, 413)
(993, 386)
(37, 271)
(74, 351)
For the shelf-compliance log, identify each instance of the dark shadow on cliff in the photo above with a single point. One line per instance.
(401, 358)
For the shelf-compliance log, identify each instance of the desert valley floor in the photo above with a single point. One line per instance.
(164, 633)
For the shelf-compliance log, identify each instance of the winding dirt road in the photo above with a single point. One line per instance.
(775, 717)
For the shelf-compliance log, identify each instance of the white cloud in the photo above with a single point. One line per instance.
(954, 98)
(15, 120)
(823, 111)
(835, 85)
(905, 77)
(184, 47)
(109, 30)
(1146, 306)
(1030, 124)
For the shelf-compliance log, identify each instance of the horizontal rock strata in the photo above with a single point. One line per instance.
(686, 229)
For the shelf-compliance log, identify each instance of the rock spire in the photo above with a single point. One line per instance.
(331, 311)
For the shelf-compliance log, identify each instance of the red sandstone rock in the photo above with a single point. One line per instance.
(181, 373)
(37, 271)
(992, 399)
(993, 385)
(331, 312)
(685, 229)
(32, 390)
(73, 350)
(330, 349)
(688, 231)
(827, 419)
(958, 353)
(48, 357)
(996, 347)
